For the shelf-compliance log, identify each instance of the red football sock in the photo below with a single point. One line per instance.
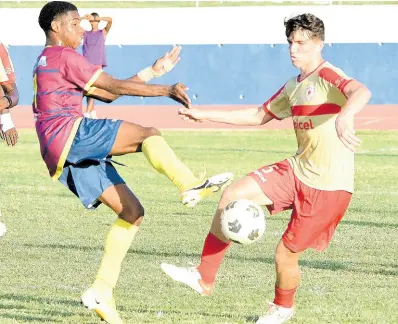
(284, 298)
(212, 255)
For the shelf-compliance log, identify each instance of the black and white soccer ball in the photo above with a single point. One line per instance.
(243, 221)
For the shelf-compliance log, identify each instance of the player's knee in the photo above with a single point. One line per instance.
(230, 193)
(284, 257)
(133, 214)
(151, 131)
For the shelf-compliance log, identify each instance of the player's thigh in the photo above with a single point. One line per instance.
(314, 219)
(123, 202)
(245, 188)
(130, 137)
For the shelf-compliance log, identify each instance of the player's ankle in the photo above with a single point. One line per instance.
(103, 288)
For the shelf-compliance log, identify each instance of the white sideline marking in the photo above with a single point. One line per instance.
(386, 149)
(373, 121)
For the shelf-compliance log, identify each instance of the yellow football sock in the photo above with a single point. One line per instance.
(117, 244)
(164, 160)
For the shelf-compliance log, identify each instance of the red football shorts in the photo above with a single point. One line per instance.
(315, 213)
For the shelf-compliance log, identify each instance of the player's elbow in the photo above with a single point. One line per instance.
(15, 100)
(108, 100)
(364, 91)
(15, 103)
(367, 92)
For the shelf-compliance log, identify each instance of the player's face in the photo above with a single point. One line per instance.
(70, 31)
(94, 23)
(302, 48)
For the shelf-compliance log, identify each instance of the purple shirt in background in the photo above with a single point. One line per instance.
(94, 47)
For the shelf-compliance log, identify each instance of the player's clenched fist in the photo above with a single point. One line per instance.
(177, 93)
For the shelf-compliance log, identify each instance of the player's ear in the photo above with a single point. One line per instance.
(55, 26)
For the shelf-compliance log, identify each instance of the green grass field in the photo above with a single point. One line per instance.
(169, 4)
(53, 246)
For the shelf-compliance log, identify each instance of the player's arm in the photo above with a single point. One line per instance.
(11, 96)
(108, 24)
(76, 69)
(358, 95)
(118, 87)
(8, 132)
(106, 96)
(244, 117)
(161, 66)
(87, 17)
(276, 107)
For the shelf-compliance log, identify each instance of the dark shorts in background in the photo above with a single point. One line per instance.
(88, 170)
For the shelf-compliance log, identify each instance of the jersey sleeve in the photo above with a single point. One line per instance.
(278, 105)
(7, 74)
(334, 77)
(77, 70)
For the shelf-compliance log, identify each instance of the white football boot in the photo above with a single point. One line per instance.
(276, 315)
(207, 187)
(188, 276)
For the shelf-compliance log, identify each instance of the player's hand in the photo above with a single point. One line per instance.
(191, 115)
(346, 132)
(177, 93)
(167, 62)
(10, 136)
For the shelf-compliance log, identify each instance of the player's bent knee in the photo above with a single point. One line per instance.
(230, 193)
(133, 214)
(151, 131)
(284, 255)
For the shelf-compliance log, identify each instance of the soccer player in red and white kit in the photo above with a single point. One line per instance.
(316, 183)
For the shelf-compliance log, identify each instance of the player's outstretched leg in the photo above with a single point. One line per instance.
(202, 278)
(99, 297)
(135, 138)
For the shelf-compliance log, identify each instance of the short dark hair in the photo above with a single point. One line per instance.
(52, 10)
(306, 22)
(94, 14)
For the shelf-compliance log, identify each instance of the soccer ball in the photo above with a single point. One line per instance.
(243, 221)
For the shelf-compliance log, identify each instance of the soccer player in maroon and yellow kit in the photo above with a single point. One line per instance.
(9, 97)
(316, 183)
(78, 150)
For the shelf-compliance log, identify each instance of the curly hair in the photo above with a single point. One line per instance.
(306, 22)
(51, 11)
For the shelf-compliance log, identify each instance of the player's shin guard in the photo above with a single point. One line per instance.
(212, 255)
(117, 244)
(164, 160)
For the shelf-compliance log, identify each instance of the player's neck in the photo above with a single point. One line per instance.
(94, 29)
(311, 67)
(53, 42)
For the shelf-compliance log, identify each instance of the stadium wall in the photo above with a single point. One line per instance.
(230, 55)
